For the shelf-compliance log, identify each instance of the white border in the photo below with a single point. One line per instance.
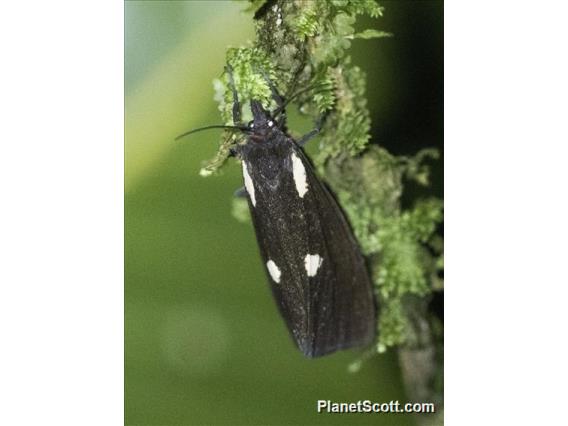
(61, 227)
(506, 98)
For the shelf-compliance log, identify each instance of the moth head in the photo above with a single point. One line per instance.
(261, 125)
(262, 121)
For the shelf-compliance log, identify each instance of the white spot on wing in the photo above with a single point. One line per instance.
(299, 172)
(248, 184)
(273, 270)
(312, 262)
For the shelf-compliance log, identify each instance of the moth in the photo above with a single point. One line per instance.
(313, 263)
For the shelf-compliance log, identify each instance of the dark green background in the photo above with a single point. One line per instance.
(203, 340)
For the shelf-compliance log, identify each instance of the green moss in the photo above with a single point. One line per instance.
(301, 45)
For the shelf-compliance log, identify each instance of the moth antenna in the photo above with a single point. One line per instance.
(274, 91)
(216, 126)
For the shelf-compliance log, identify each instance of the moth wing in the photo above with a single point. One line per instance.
(341, 294)
(317, 273)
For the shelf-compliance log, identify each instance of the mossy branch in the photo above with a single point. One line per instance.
(301, 45)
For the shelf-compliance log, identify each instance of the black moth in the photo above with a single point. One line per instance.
(315, 269)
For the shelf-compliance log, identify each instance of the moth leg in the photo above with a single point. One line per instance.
(236, 103)
(275, 95)
(281, 121)
(280, 103)
(240, 193)
(312, 133)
